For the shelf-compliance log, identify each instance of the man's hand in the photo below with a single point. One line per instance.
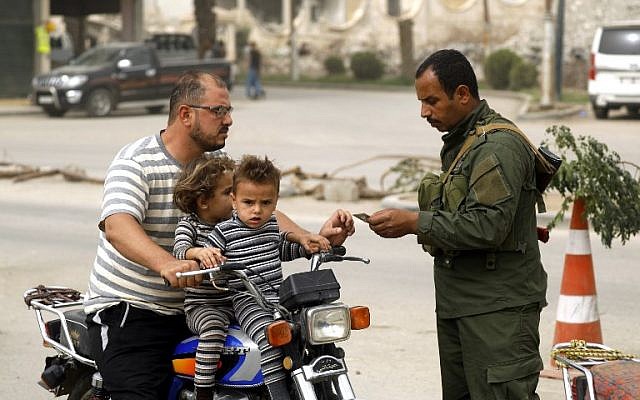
(394, 223)
(338, 227)
(208, 257)
(168, 272)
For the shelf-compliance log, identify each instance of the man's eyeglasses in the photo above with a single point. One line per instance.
(219, 111)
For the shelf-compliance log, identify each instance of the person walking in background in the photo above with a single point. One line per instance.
(219, 49)
(253, 87)
(478, 221)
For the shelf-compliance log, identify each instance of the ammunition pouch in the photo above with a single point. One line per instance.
(455, 190)
(430, 199)
(430, 193)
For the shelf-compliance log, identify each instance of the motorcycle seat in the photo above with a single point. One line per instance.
(76, 322)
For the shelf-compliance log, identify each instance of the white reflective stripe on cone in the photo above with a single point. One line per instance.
(577, 309)
(579, 242)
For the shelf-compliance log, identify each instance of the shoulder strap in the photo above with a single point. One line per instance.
(468, 142)
(484, 129)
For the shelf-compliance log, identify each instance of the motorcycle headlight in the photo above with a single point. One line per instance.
(72, 81)
(328, 323)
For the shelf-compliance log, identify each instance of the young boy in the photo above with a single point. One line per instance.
(252, 237)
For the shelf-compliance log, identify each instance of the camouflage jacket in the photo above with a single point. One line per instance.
(482, 225)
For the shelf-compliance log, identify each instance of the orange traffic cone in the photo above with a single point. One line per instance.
(577, 316)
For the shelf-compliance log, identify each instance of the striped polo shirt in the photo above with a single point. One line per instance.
(139, 182)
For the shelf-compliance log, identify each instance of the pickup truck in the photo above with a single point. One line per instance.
(110, 74)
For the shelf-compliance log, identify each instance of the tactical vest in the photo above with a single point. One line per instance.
(474, 281)
(446, 192)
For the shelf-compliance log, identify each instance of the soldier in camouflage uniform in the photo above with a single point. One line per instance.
(478, 221)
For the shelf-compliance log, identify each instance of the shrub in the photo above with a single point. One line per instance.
(523, 75)
(366, 66)
(334, 65)
(497, 68)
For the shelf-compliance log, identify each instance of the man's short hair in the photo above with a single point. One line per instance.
(189, 89)
(452, 69)
(258, 171)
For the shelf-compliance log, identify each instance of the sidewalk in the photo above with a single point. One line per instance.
(17, 107)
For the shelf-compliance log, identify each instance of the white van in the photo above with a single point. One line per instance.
(614, 75)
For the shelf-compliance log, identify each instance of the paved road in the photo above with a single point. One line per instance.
(48, 230)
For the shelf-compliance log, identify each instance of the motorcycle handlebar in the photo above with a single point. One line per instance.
(230, 266)
(335, 254)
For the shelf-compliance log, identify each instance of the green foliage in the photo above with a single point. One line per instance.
(593, 172)
(334, 65)
(366, 65)
(523, 75)
(497, 68)
(408, 173)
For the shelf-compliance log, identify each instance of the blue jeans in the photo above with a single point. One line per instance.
(253, 87)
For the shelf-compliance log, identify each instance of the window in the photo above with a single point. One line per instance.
(139, 57)
(620, 41)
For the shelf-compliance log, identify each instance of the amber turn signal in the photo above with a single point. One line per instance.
(279, 333)
(360, 318)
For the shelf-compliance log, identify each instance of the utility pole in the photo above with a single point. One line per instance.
(546, 98)
(559, 47)
(486, 34)
(42, 59)
(132, 20)
(288, 21)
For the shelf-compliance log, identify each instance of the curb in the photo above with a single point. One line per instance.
(17, 107)
(526, 114)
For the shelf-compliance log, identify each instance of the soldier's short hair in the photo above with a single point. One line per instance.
(452, 69)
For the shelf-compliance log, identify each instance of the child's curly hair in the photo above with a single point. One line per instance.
(256, 170)
(200, 177)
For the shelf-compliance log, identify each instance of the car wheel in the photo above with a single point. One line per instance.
(54, 112)
(601, 112)
(633, 110)
(100, 103)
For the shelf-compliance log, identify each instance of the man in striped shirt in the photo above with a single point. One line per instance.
(134, 320)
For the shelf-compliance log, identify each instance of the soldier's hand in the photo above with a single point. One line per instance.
(394, 223)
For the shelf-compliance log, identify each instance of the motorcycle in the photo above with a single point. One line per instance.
(593, 371)
(308, 322)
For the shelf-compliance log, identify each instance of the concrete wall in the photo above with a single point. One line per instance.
(514, 24)
(17, 49)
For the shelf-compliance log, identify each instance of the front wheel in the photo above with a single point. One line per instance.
(82, 389)
(100, 103)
